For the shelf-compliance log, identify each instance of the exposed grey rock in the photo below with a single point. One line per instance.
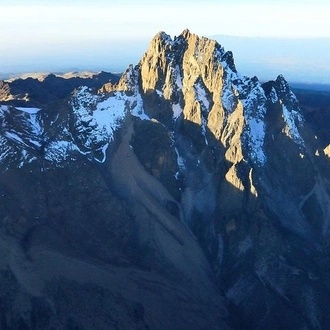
(183, 197)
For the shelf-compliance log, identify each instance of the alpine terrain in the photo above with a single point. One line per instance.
(183, 196)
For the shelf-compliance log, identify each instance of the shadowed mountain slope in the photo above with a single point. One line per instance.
(184, 196)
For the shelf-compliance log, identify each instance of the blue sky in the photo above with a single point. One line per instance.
(50, 35)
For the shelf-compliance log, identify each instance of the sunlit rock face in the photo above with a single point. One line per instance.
(185, 196)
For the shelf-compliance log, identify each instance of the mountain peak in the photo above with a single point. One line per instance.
(161, 39)
(281, 81)
(186, 33)
(128, 189)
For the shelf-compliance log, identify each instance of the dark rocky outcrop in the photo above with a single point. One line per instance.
(185, 196)
(51, 88)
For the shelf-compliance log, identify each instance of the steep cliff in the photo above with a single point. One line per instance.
(186, 196)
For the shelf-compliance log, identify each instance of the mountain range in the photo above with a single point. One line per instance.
(181, 196)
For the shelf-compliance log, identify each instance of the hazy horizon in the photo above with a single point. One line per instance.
(100, 35)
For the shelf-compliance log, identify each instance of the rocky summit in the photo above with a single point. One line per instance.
(183, 196)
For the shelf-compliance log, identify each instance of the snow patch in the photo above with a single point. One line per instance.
(204, 125)
(36, 143)
(14, 137)
(180, 160)
(273, 95)
(159, 93)
(28, 110)
(177, 110)
(97, 119)
(109, 113)
(34, 121)
(256, 140)
(5, 150)
(228, 98)
(201, 96)
(290, 118)
(58, 151)
(136, 106)
(254, 112)
(26, 136)
(178, 80)
(24, 158)
(229, 92)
